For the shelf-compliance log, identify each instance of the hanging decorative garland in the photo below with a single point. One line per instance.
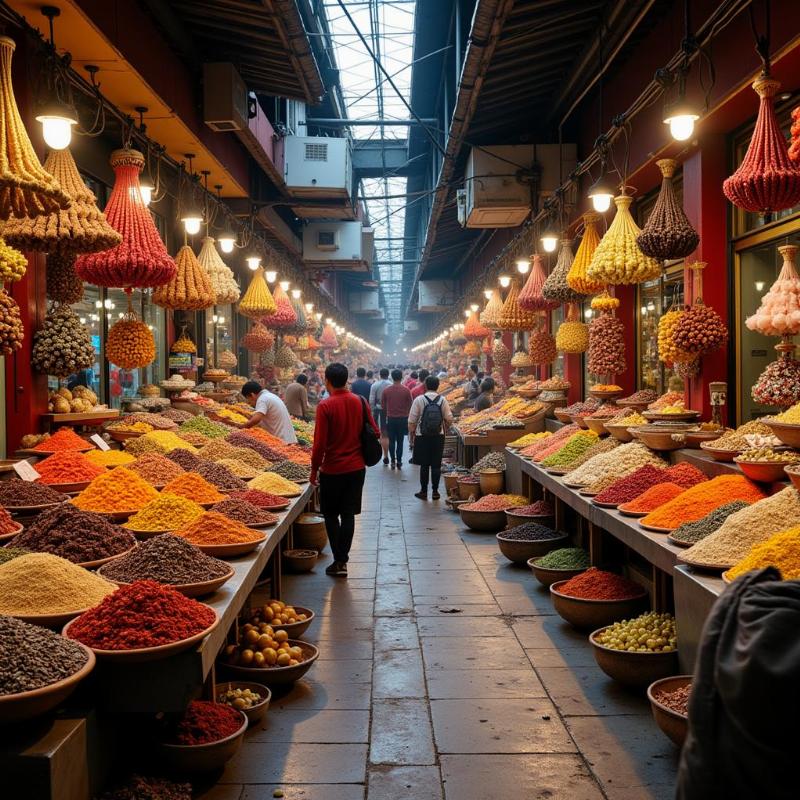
(11, 330)
(491, 313)
(542, 346)
(328, 340)
(794, 140)
(141, 260)
(130, 343)
(219, 273)
(257, 301)
(472, 349)
(283, 317)
(501, 355)
(189, 289)
(556, 287)
(779, 312)
(473, 328)
(577, 278)
(667, 234)
(62, 346)
(13, 264)
(572, 335)
(258, 339)
(512, 317)
(486, 347)
(531, 298)
(606, 346)
(285, 358)
(604, 301)
(63, 283)
(26, 188)
(700, 329)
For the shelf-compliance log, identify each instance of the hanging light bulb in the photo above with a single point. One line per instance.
(57, 119)
(474, 307)
(505, 281)
(309, 308)
(601, 192)
(296, 294)
(467, 312)
(146, 190)
(318, 315)
(523, 265)
(254, 262)
(681, 115)
(192, 219)
(284, 285)
(227, 240)
(549, 239)
(487, 293)
(271, 275)
(329, 320)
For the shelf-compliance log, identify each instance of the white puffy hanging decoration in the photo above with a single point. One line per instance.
(779, 312)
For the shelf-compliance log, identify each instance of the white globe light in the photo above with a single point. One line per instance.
(254, 262)
(226, 244)
(192, 225)
(57, 131)
(146, 193)
(549, 243)
(601, 202)
(682, 126)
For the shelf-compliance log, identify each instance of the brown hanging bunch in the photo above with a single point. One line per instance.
(189, 289)
(62, 345)
(501, 355)
(542, 347)
(606, 346)
(512, 317)
(667, 234)
(11, 331)
(556, 287)
(63, 283)
(258, 339)
(700, 329)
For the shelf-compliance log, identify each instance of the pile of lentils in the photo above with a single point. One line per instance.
(220, 476)
(531, 532)
(185, 458)
(24, 493)
(292, 471)
(32, 657)
(166, 559)
(242, 511)
(692, 532)
(565, 558)
(78, 536)
(156, 469)
(490, 461)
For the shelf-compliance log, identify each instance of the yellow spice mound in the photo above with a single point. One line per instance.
(274, 484)
(117, 490)
(166, 513)
(109, 458)
(781, 551)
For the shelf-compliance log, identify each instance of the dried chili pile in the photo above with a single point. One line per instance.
(205, 722)
(652, 498)
(597, 584)
(626, 489)
(143, 614)
(7, 524)
(68, 466)
(63, 439)
(261, 499)
(684, 474)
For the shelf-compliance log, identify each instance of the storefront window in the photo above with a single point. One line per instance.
(219, 332)
(556, 319)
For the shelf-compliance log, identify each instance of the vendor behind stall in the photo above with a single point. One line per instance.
(270, 412)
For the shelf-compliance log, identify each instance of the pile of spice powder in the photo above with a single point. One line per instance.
(782, 551)
(604, 445)
(195, 487)
(168, 512)
(116, 491)
(156, 469)
(214, 528)
(63, 439)
(166, 559)
(78, 536)
(264, 436)
(40, 583)
(692, 532)
(496, 502)
(244, 512)
(676, 700)
(531, 532)
(205, 722)
(143, 614)
(603, 470)
(541, 508)
(167, 441)
(7, 553)
(597, 584)
(565, 558)
(194, 439)
(7, 524)
(650, 499)
(559, 436)
(274, 484)
(699, 500)
(186, 459)
(261, 499)
(575, 446)
(212, 430)
(291, 471)
(626, 489)
(684, 474)
(32, 657)
(220, 477)
(67, 467)
(20, 494)
(238, 468)
(741, 531)
(110, 458)
(244, 439)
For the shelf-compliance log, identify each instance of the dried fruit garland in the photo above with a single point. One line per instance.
(283, 317)
(779, 311)
(11, 330)
(62, 346)
(779, 384)
(606, 346)
(258, 339)
(141, 260)
(531, 298)
(604, 302)
(82, 228)
(491, 313)
(512, 317)
(328, 340)
(501, 355)
(285, 358)
(26, 188)
(700, 329)
(794, 131)
(219, 273)
(473, 328)
(189, 289)
(257, 301)
(572, 335)
(13, 264)
(767, 180)
(556, 287)
(577, 278)
(63, 283)
(667, 234)
(130, 343)
(542, 347)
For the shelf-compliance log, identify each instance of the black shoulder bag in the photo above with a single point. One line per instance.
(371, 448)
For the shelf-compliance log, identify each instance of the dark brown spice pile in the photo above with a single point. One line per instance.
(220, 476)
(23, 493)
(531, 532)
(185, 458)
(138, 787)
(244, 512)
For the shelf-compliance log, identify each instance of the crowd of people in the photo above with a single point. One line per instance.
(396, 404)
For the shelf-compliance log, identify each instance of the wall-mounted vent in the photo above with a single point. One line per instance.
(316, 151)
(327, 240)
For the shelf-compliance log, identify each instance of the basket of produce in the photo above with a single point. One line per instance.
(638, 401)
(638, 651)
(605, 391)
(559, 565)
(562, 416)
(530, 540)
(276, 614)
(252, 699)
(272, 659)
(309, 532)
(669, 702)
(299, 560)
(488, 513)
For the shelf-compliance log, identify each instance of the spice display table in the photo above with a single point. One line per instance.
(472, 447)
(87, 418)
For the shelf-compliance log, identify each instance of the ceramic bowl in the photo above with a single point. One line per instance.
(203, 757)
(583, 613)
(633, 669)
(520, 552)
(673, 724)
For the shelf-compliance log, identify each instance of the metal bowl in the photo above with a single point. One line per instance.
(764, 471)
(673, 725)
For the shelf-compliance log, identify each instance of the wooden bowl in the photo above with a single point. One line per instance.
(54, 621)
(717, 453)
(673, 725)
(277, 676)
(703, 565)
(117, 516)
(231, 550)
(7, 537)
(661, 437)
(295, 629)
(203, 757)
(684, 416)
(547, 577)
(123, 436)
(142, 654)
(793, 473)
(696, 438)
(764, 471)
(623, 403)
(633, 669)
(32, 511)
(53, 452)
(678, 542)
(562, 416)
(513, 520)
(187, 589)
(579, 420)
(519, 552)
(625, 512)
(605, 394)
(582, 613)
(467, 490)
(619, 432)
(786, 432)
(483, 520)
(597, 424)
(100, 561)
(255, 713)
(655, 528)
(26, 705)
(300, 560)
(145, 535)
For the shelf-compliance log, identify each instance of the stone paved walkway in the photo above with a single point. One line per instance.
(499, 699)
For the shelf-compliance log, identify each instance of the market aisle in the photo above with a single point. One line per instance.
(444, 675)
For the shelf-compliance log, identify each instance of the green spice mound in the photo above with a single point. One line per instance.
(565, 558)
(576, 446)
(205, 426)
(692, 532)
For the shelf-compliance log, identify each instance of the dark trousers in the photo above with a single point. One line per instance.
(435, 474)
(340, 529)
(397, 428)
(340, 501)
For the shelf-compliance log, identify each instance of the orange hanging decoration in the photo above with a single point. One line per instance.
(189, 289)
(473, 328)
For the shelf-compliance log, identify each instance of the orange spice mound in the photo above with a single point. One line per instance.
(265, 436)
(293, 452)
(117, 490)
(63, 439)
(214, 528)
(68, 466)
(702, 499)
(195, 487)
(652, 498)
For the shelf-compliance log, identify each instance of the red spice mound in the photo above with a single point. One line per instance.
(541, 508)
(68, 466)
(493, 502)
(632, 485)
(597, 584)
(63, 439)
(260, 499)
(7, 524)
(684, 474)
(143, 614)
(205, 722)
(654, 497)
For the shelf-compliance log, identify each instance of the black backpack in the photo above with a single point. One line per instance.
(430, 423)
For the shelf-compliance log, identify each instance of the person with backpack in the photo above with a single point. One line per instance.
(428, 422)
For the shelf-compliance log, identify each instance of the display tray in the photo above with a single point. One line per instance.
(98, 562)
(197, 589)
(67, 488)
(31, 510)
(562, 417)
(45, 453)
(604, 505)
(678, 542)
(605, 395)
(626, 513)
(654, 528)
(123, 436)
(6, 537)
(702, 565)
(139, 655)
(230, 550)
(573, 485)
(260, 524)
(586, 493)
(87, 417)
(557, 470)
(117, 516)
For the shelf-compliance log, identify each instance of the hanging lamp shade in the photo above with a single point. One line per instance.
(512, 317)
(141, 260)
(257, 301)
(219, 273)
(26, 188)
(328, 340)
(767, 180)
(81, 228)
(531, 298)
(779, 311)
(283, 317)
(618, 258)
(491, 313)
(556, 288)
(577, 279)
(473, 328)
(189, 289)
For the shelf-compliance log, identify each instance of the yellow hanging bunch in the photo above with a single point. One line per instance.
(494, 308)
(604, 302)
(668, 353)
(12, 263)
(257, 301)
(572, 335)
(577, 278)
(190, 288)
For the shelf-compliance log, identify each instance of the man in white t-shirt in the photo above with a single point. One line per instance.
(270, 412)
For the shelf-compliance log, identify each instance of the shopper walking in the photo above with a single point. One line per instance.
(375, 393)
(485, 399)
(396, 404)
(428, 422)
(420, 388)
(270, 412)
(337, 462)
(361, 386)
(296, 397)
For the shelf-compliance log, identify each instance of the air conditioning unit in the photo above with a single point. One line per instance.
(318, 166)
(225, 101)
(435, 296)
(327, 240)
(334, 245)
(364, 302)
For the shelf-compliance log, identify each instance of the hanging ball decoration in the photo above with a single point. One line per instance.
(285, 357)
(257, 301)
(512, 317)
(779, 311)
(62, 346)
(577, 278)
(491, 313)
(13, 264)
(572, 335)
(141, 260)
(501, 355)
(219, 273)
(258, 339)
(531, 297)
(779, 384)
(542, 347)
(11, 331)
(473, 328)
(700, 330)
(328, 340)
(767, 179)
(63, 283)
(472, 348)
(130, 343)
(26, 188)
(189, 289)
(668, 353)
(604, 302)
(556, 287)
(521, 360)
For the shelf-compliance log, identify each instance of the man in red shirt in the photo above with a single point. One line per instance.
(420, 388)
(337, 463)
(396, 404)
